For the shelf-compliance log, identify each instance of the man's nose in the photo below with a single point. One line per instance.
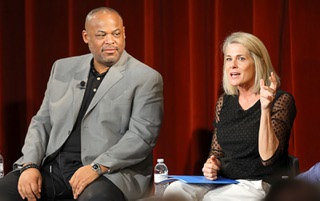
(109, 39)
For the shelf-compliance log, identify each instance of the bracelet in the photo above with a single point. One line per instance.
(31, 165)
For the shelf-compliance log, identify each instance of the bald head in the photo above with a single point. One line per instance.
(100, 10)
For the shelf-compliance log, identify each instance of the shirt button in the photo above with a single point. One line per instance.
(94, 90)
(98, 78)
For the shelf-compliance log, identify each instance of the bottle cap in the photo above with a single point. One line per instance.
(160, 160)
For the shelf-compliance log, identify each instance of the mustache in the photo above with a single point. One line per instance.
(109, 47)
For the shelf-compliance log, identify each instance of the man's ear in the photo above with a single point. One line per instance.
(85, 36)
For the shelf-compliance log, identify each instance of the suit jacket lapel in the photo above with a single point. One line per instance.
(111, 78)
(78, 92)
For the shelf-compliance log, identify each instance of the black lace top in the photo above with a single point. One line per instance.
(235, 138)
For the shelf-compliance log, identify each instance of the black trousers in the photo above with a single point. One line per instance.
(55, 187)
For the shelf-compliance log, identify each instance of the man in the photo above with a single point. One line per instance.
(93, 136)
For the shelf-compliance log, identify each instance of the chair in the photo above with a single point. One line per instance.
(293, 168)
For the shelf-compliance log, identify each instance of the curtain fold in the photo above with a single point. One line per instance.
(182, 40)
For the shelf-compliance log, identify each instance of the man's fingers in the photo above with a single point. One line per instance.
(25, 192)
(79, 190)
(30, 195)
(35, 190)
(73, 183)
(21, 191)
(32, 199)
(39, 185)
(71, 180)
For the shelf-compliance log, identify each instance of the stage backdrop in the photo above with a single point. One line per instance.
(179, 38)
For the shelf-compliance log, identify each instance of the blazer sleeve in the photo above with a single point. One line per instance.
(37, 137)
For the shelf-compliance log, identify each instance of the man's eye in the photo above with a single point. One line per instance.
(228, 59)
(116, 34)
(100, 35)
(241, 58)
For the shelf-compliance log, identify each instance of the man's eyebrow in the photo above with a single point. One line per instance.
(115, 30)
(100, 31)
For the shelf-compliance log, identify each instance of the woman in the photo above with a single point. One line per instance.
(312, 175)
(252, 126)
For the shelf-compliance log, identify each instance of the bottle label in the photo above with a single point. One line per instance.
(160, 177)
(1, 170)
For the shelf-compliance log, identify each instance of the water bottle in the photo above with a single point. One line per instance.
(1, 166)
(160, 174)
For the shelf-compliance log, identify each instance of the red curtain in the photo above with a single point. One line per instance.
(182, 40)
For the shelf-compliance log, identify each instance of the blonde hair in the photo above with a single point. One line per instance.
(260, 56)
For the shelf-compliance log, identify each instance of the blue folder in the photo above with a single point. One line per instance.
(192, 179)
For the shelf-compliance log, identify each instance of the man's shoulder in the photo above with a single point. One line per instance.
(72, 64)
(79, 58)
(138, 66)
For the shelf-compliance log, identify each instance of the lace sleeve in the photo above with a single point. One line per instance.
(282, 117)
(215, 147)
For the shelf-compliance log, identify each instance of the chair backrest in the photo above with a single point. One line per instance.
(294, 168)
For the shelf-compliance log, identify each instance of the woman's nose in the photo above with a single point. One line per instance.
(233, 64)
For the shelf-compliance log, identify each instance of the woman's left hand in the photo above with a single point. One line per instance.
(268, 93)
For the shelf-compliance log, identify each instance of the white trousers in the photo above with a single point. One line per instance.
(243, 191)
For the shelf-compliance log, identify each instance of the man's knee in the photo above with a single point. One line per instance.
(101, 195)
(100, 190)
(8, 187)
(93, 196)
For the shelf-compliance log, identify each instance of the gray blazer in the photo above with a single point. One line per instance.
(119, 129)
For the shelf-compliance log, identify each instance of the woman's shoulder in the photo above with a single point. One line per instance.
(286, 100)
(226, 98)
(282, 94)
